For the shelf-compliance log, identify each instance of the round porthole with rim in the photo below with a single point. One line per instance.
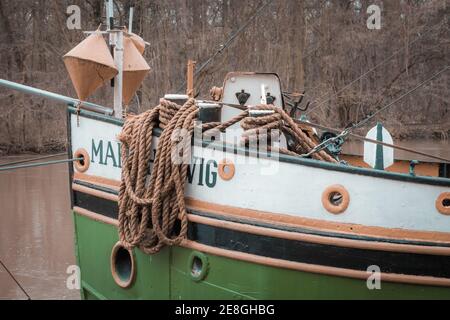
(226, 169)
(123, 268)
(81, 165)
(443, 203)
(198, 266)
(335, 199)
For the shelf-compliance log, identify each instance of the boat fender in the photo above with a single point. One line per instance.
(82, 165)
(335, 199)
(443, 203)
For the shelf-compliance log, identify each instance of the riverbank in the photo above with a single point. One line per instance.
(436, 146)
(49, 148)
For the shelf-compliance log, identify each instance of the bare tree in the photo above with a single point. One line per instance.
(317, 46)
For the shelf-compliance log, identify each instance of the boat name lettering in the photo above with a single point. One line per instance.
(207, 172)
(106, 152)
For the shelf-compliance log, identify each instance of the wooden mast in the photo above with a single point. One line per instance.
(190, 78)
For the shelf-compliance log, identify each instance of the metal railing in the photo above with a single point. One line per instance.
(55, 96)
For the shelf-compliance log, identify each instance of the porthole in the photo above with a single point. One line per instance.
(226, 169)
(443, 203)
(81, 165)
(198, 266)
(335, 199)
(122, 265)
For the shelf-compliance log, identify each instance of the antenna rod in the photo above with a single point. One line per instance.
(110, 14)
(130, 22)
(118, 80)
(116, 45)
(109, 26)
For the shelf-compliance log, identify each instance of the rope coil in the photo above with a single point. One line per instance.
(152, 209)
(303, 144)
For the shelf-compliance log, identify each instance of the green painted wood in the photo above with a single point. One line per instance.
(95, 241)
(166, 275)
(234, 279)
(379, 159)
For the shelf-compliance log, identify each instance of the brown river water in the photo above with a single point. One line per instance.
(36, 232)
(36, 227)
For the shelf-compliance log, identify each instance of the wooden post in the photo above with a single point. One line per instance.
(190, 78)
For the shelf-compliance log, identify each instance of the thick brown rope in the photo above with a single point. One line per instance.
(150, 206)
(280, 120)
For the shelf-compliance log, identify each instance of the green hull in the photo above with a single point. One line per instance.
(167, 275)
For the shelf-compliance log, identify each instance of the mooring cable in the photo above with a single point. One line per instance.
(347, 131)
(39, 164)
(15, 280)
(330, 95)
(222, 47)
(336, 130)
(365, 120)
(358, 137)
(33, 159)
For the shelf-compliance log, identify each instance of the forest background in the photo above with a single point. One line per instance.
(316, 46)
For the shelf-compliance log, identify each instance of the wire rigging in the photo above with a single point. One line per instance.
(358, 137)
(329, 95)
(15, 280)
(347, 131)
(33, 159)
(39, 164)
(365, 120)
(228, 42)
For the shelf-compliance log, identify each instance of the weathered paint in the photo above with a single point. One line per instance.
(166, 275)
(95, 241)
(295, 188)
(99, 138)
(376, 155)
(401, 166)
(251, 83)
(379, 161)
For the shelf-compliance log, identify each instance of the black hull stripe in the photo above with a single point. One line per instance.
(318, 232)
(98, 205)
(95, 187)
(294, 250)
(260, 223)
(320, 254)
